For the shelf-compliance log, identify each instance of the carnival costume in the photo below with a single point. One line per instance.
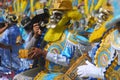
(10, 62)
(63, 42)
(107, 55)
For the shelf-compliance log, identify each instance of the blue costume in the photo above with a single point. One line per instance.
(9, 59)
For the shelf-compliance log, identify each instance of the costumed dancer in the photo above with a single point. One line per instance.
(10, 63)
(100, 18)
(62, 41)
(108, 51)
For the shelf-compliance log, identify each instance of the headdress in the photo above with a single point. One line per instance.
(62, 5)
(54, 34)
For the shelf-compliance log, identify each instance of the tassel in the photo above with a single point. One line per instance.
(32, 6)
(99, 4)
(23, 5)
(86, 7)
(92, 6)
(18, 6)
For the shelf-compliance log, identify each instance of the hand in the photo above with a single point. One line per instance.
(37, 33)
(36, 30)
(36, 53)
(90, 70)
(7, 25)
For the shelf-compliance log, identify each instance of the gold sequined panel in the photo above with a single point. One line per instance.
(56, 48)
(112, 73)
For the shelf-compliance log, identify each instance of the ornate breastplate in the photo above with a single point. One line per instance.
(56, 48)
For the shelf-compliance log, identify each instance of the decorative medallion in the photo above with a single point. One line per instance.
(102, 57)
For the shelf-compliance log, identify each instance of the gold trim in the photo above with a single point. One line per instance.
(59, 77)
(111, 73)
(62, 39)
(40, 75)
(105, 45)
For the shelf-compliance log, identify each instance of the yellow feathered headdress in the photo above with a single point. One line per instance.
(93, 5)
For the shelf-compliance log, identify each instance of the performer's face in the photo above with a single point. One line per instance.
(55, 18)
(36, 28)
(103, 15)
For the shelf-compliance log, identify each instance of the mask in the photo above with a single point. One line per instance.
(55, 18)
(103, 15)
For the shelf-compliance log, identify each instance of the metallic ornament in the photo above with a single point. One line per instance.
(113, 70)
